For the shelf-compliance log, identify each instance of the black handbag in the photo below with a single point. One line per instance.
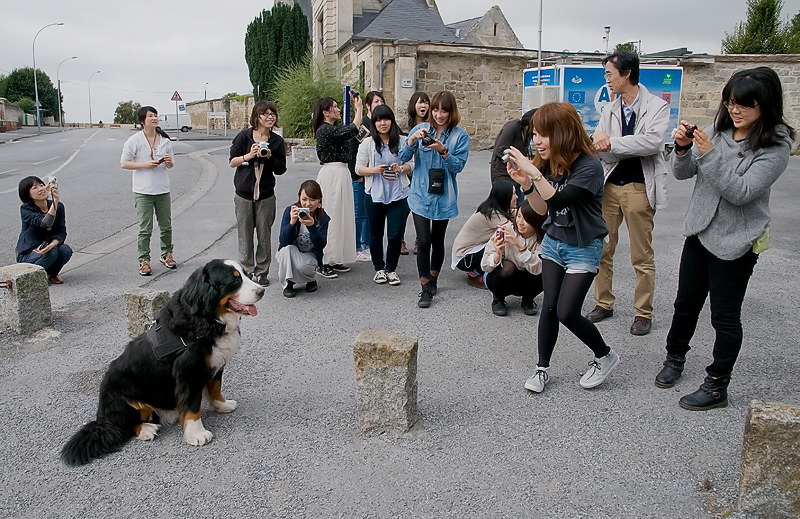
(436, 181)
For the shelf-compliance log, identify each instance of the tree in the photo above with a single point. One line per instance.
(3, 84)
(125, 112)
(27, 105)
(274, 40)
(793, 38)
(297, 87)
(628, 46)
(761, 33)
(19, 84)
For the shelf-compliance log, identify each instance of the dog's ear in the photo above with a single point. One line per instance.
(200, 294)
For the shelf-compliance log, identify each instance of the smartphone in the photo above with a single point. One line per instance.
(161, 160)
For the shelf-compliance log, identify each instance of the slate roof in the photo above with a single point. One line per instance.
(464, 27)
(406, 19)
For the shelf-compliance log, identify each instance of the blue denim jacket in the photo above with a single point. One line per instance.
(436, 207)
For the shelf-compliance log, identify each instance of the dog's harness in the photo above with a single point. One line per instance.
(164, 342)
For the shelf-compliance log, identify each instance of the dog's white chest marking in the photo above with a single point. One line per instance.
(227, 344)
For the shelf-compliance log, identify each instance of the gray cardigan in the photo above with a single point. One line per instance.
(729, 207)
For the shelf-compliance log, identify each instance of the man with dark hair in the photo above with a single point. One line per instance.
(630, 142)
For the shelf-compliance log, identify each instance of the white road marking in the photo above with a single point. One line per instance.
(9, 171)
(59, 168)
(43, 161)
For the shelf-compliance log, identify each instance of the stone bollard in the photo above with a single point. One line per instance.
(142, 306)
(25, 298)
(770, 480)
(386, 375)
(304, 154)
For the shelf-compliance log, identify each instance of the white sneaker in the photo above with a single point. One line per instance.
(599, 370)
(393, 278)
(380, 277)
(538, 380)
(363, 255)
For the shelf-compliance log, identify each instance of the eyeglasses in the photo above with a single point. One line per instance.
(733, 107)
(270, 114)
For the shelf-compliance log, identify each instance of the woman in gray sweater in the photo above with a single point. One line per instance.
(735, 162)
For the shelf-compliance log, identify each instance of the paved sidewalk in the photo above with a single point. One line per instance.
(485, 446)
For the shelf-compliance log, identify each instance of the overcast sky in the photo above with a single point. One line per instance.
(147, 49)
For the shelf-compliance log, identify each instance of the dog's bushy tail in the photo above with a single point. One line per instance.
(94, 440)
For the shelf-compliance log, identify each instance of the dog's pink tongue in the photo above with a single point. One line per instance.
(250, 309)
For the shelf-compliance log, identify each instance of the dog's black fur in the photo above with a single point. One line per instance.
(205, 313)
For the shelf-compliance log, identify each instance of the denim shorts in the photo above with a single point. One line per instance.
(575, 259)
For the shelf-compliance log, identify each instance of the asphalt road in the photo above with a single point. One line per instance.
(485, 447)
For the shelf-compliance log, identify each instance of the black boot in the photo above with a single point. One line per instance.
(425, 296)
(713, 393)
(671, 372)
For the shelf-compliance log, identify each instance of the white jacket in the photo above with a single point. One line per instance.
(366, 157)
(647, 142)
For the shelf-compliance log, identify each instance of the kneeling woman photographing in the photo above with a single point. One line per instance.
(44, 228)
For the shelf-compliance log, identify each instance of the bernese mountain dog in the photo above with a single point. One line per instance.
(163, 373)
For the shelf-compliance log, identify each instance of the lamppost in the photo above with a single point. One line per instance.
(35, 82)
(205, 92)
(607, 29)
(90, 98)
(58, 81)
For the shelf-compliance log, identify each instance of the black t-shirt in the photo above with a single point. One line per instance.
(582, 221)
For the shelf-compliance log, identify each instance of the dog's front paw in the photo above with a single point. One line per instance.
(226, 406)
(195, 434)
(147, 431)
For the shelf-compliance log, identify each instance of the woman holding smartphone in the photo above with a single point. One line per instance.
(44, 227)
(440, 150)
(386, 184)
(565, 181)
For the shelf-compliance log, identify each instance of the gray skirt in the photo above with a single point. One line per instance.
(295, 266)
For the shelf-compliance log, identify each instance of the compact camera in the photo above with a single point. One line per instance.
(499, 232)
(690, 129)
(303, 212)
(363, 131)
(507, 159)
(354, 93)
(52, 181)
(427, 140)
(263, 149)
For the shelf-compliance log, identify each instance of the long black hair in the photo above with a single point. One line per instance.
(499, 200)
(383, 112)
(758, 86)
(322, 104)
(141, 115)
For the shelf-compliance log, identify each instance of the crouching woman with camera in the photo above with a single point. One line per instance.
(258, 154)
(44, 228)
(304, 235)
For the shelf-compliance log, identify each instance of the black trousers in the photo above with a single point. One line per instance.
(701, 275)
(507, 280)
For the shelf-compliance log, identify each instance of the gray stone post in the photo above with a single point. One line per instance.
(142, 306)
(770, 480)
(386, 375)
(25, 298)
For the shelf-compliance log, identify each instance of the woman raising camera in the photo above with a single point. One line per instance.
(565, 181)
(334, 179)
(440, 150)
(44, 228)
(258, 154)
(735, 162)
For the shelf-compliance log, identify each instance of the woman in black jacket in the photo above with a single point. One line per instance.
(258, 154)
(44, 228)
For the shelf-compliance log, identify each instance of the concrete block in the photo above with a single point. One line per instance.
(770, 479)
(386, 375)
(25, 301)
(141, 307)
(304, 154)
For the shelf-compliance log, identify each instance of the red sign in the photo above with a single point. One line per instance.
(176, 97)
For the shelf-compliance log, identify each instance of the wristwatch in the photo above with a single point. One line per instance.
(444, 152)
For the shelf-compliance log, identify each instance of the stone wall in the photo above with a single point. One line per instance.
(238, 113)
(10, 115)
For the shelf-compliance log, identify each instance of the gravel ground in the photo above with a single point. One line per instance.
(485, 447)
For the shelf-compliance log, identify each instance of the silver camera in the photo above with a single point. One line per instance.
(303, 212)
(263, 149)
(507, 159)
(51, 181)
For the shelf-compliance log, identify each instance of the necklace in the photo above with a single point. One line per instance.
(152, 146)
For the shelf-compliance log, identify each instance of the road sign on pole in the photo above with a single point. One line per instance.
(176, 97)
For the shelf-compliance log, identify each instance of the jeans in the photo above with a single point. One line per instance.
(146, 205)
(362, 223)
(702, 274)
(52, 261)
(573, 258)
(393, 216)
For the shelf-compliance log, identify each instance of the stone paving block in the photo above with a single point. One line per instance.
(141, 307)
(25, 302)
(386, 375)
(770, 480)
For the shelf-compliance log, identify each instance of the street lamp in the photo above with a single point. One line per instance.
(205, 92)
(35, 82)
(607, 29)
(58, 81)
(90, 98)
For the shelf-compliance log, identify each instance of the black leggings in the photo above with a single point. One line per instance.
(430, 240)
(507, 280)
(563, 297)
